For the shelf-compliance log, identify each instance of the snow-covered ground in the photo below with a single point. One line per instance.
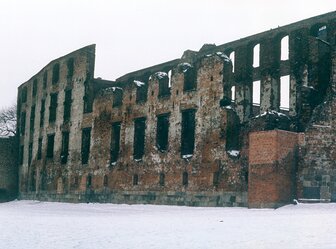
(32, 224)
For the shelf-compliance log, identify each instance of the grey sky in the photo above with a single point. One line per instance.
(129, 34)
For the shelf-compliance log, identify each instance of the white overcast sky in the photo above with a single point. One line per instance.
(130, 34)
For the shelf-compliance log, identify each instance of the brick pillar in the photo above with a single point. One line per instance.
(272, 168)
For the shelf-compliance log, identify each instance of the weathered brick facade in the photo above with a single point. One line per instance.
(192, 131)
(8, 169)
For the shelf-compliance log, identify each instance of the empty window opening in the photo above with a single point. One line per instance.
(32, 118)
(162, 179)
(189, 79)
(135, 179)
(177, 92)
(39, 149)
(67, 105)
(233, 93)
(162, 130)
(65, 147)
(139, 138)
(232, 58)
(285, 48)
(75, 181)
(70, 66)
(53, 107)
(23, 123)
(284, 92)
(188, 132)
(185, 179)
(115, 142)
(30, 153)
(215, 179)
(141, 93)
(50, 145)
(21, 154)
(105, 182)
(211, 78)
(55, 75)
(164, 88)
(88, 101)
(34, 91)
(86, 137)
(256, 92)
(24, 95)
(45, 79)
(42, 112)
(117, 97)
(89, 181)
(256, 55)
(322, 33)
(169, 78)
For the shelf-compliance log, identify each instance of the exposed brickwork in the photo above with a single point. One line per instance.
(172, 134)
(8, 168)
(272, 168)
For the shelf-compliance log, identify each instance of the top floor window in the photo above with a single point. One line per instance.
(232, 58)
(256, 55)
(285, 48)
(34, 91)
(24, 95)
(189, 79)
(164, 88)
(117, 97)
(56, 72)
(70, 66)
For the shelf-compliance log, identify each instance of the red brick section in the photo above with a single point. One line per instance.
(272, 167)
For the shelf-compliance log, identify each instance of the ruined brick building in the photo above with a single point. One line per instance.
(247, 123)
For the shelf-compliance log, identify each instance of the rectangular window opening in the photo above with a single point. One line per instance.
(284, 92)
(256, 93)
(70, 66)
(55, 74)
(50, 146)
(139, 138)
(65, 147)
(190, 78)
(117, 97)
(232, 58)
(162, 179)
(162, 130)
(188, 132)
(185, 179)
(86, 137)
(164, 89)
(67, 105)
(42, 112)
(115, 142)
(39, 149)
(53, 107)
(233, 93)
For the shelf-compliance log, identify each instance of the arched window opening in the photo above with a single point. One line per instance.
(285, 48)
(256, 55)
(232, 58)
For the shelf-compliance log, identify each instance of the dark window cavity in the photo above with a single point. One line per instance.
(162, 179)
(30, 153)
(87, 98)
(117, 97)
(185, 179)
(39, 149)
(86, 135)
(55, 74)
(22, 123)
(135, 179)
(67, 105)
(70, 66)
(34, 88)
(188, 132)
(139, 138)
(162, 130)
(105, 183)
(53, 107)
(115, 141)
(141, 93)
(65, 147)
(89, 181)
(164, 88)
(21, 154)
(50, 146)
(32, 118)
(24, 95)
(189, 79)
(42, 112)
(45, 79)
(215, 179)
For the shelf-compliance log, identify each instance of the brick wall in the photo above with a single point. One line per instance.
(8, 168)
(272, 168)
